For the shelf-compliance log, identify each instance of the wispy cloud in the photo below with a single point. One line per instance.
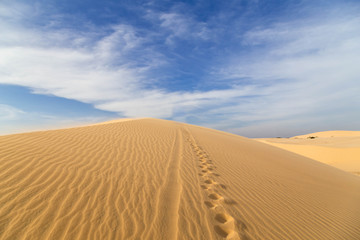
(9, 113)
(183, 27)
(12, 121)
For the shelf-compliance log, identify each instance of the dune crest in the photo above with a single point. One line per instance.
(340, 149)
(326, 134)
(157, 179)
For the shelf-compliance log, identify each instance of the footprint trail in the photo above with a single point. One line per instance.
(225, 225)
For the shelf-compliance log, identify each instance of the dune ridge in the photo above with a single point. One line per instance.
(157, 179)
(337, 133)
(340, 149)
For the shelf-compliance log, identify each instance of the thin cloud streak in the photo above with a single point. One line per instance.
(9, 113)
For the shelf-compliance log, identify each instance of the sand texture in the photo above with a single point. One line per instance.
(157, 179)
(340, 149)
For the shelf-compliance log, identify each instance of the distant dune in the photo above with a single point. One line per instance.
(157, 179)
(340, 149)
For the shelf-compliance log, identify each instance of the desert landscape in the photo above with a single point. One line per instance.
(157, 179)
(179, 120)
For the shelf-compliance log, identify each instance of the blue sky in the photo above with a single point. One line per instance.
(254, 68)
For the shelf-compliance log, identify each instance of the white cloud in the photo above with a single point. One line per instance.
(13, 120)
(161, 104)
(183, 27)
(122, 40)
(9, 113)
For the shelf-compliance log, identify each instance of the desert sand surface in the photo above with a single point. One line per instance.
(340, 149)
(157, 179)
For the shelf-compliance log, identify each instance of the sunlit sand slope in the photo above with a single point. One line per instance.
(340, 149)
(156, 179)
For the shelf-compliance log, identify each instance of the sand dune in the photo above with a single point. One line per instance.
(340, 149)
(327, 134)
(157, 179)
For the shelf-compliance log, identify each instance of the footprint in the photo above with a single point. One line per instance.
(209, 181)
(221, 231)
(222, 186)
(210, 204)
(226, 233)
(226, 227)
(205, 171)
(223, 218)
(215, 196)
(204, 187)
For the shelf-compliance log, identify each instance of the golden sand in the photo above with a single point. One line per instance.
(157, 179)
(340, 149)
